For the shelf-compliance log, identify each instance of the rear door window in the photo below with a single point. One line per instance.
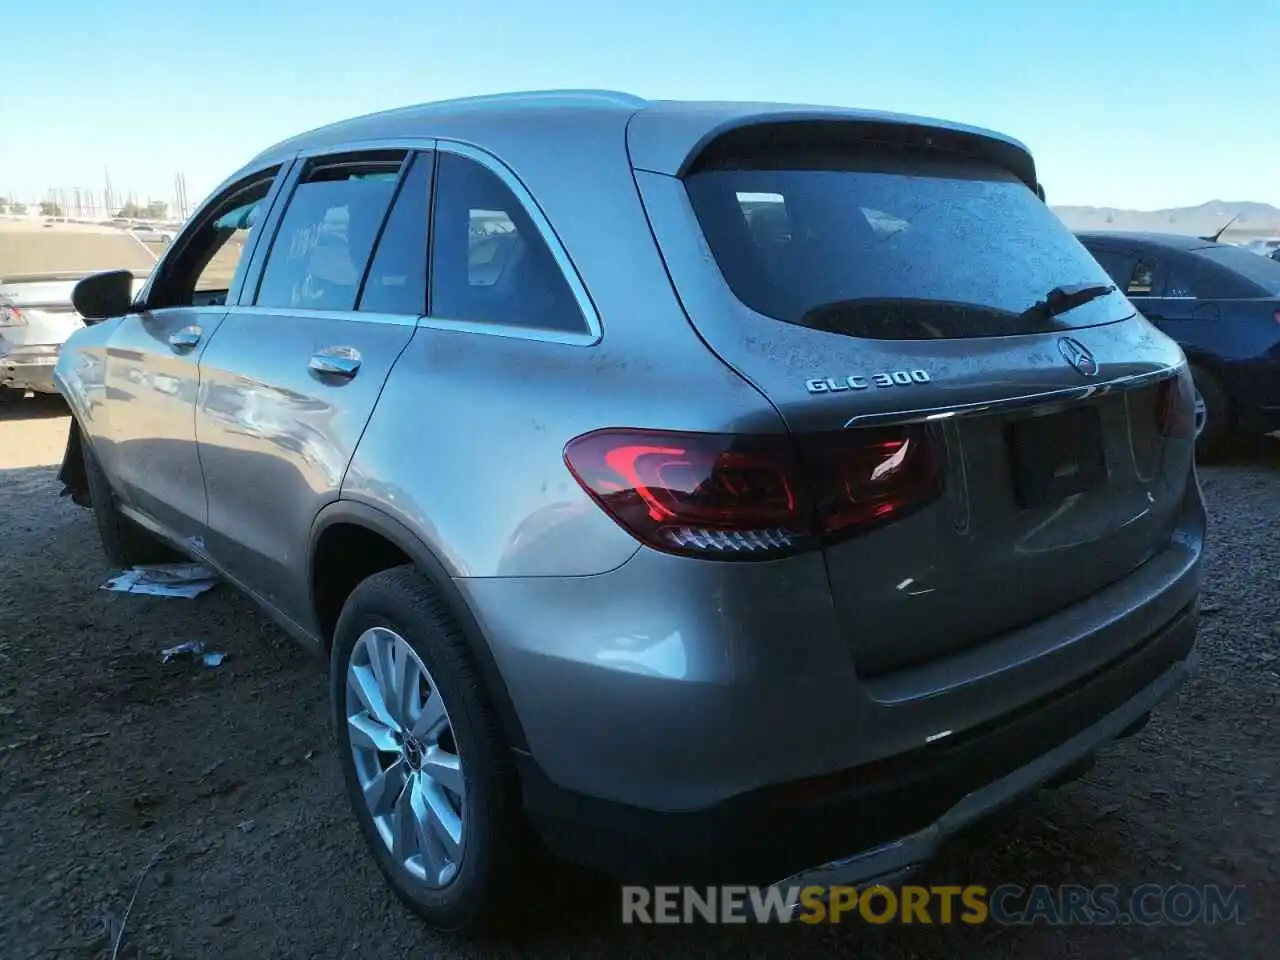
(322, 246)
(397, 280)
(1259, 276)
(891, 243)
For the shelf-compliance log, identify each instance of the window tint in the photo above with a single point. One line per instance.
(1143, 281)
(890, 243)
(397, 280)
(1119, 266)
(205, 268)
(326, 234)
(489, 263)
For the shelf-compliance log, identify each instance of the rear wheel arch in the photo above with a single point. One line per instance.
(1207, 363)
(1222, 406)
(346, 531)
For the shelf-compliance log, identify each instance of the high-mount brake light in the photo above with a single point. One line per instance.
(757, 496)
(1175, 409)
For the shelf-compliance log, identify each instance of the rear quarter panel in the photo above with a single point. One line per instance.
(1240, 341)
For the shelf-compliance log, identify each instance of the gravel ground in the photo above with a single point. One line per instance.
(223, 782)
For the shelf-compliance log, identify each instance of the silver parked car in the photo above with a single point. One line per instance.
(712, 491)
(36, 318)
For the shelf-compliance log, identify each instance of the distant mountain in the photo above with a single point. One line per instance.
(1254, 219)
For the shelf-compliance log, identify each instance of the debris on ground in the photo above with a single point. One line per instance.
(303, 884)
(185, 580)
(193, 648)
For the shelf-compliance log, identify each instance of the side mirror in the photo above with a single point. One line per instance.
(101, 296)
(1040, 192)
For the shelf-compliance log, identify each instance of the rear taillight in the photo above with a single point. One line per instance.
(757, 496)
(862, 479)
(1176, 408)
(11, 316)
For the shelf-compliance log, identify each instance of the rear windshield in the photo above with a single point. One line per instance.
(1262, 271)
(891, 244)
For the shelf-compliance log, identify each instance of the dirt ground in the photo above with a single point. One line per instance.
(32, 247)
(223, 781)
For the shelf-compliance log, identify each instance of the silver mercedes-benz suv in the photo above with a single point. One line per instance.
(702, 491)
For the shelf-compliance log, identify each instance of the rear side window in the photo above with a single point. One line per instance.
(327, 232)
(1260, 275)
(891, 243)
(1142, 283)
(489, 263)
(1119, 266)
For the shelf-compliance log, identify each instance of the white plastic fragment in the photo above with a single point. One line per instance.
(165, 580)
(196, 649)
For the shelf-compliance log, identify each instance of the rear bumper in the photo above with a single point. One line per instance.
(29, 368)
(877, 821)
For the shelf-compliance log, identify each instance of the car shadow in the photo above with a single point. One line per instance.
(40, 406)
(1250, 452)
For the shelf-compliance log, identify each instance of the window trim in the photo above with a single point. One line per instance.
(593, 331)
(291, 167)
(303, 163)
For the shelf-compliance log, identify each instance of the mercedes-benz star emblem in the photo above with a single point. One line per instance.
(1076, 354)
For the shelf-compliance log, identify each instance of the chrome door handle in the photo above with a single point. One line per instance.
(336, 362)
(186, 338)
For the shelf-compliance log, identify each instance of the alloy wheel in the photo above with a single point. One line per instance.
(1201, 412)
(405, 756)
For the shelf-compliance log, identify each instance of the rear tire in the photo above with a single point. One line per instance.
(478, 888)
(1218, 415)
(124, 543)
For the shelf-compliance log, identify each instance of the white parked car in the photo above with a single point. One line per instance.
(1265, 246)
(148, 233)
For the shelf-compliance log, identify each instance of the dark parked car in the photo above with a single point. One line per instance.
(1222, 304)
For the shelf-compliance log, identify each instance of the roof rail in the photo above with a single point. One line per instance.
(586, 97)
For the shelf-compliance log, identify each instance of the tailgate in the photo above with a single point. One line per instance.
(870, 287)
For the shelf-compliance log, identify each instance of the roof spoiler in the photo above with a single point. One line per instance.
(1218, 236)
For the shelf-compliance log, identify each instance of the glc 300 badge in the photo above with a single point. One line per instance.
(857, 381)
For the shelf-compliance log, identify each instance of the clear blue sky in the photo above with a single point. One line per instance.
(1132, 103)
